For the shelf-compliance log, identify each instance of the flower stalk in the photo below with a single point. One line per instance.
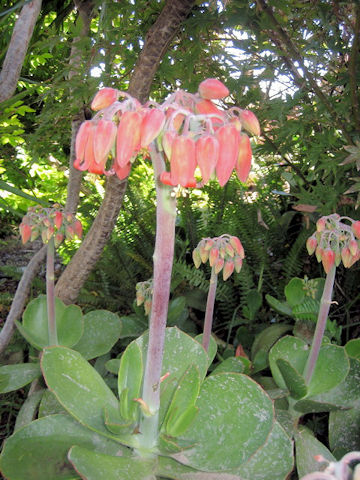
(209, 309)
(50, 292)
(163, 260)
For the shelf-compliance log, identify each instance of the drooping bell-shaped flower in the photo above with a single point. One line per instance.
(152, 123)
(250, 122)
(228, 269)
(182, 161)
(328, 259)
(58, 219)
(311, 244)
(207, 154)
(356, 228)
(128, 137)
(167, 141)
(104, 140)
(84, 148)
(25, 232)
(229, 141)
(243, 161)
(104, 98)
(212, 88)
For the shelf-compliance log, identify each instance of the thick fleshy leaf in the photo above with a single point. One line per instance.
(180, 351)
(331, 368)
(28, 410)
(241, 418)
(294, 381)
(49, 405)
(307, 447)
(182, 411)
(274, 460)
(230, 364)
(211, 353)
(78, 386)
(344, 425)
(292, 349)
(169, 468)
(267, 338)
(130, 380)
(69, 323)
(98, 466)
(39, 450)
(353, 348)
(101, 331)
(13, 377)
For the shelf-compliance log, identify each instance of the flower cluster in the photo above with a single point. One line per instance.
(189, 129)
(144, 292)
(48, 223)
(335, 241)
(224, 253)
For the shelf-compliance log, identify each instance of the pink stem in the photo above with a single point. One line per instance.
(209, 310)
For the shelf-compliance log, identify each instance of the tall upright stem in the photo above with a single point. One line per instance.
(209, 309)
(321, 324)
(50, 292)
(163, 260)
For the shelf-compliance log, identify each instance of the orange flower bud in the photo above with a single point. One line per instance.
(196, 258)
(321, 224)
(353, 246)
(228, 269)
(229, 250)
(25, 232)
(218, 265)
(229, 141)
(243, 162)
(238, 264)
(104, 140)
(152, 124)
(128, 137)
(182, 161)
(104, 98)
(318, 253)
(311, 244)
(356, 228)
(213, 88)
(58, 219)
(250, 122)
(214, 254)
(207, 154)
(328, 259)
(237, 245)
(204, 254)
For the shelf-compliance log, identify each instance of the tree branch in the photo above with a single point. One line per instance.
(21, 296)
(285, 43)
(18, 46)
(354, 56)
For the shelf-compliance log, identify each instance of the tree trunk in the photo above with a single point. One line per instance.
(18, 46)
(157, 41)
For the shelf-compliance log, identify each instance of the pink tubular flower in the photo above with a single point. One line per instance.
(122, 172)
(328, 259)
(356, 228)
(206, 107)
(152, 124)
(229, 142)
(58, 219)
(167, 141)
(250, 122)
(104, 140)
(25, 232)
(207, 154)
(243, 162)
(311, 244)
(104, 98)
(182, 161)
(84, 147)
(228, 269)
(128, 137)
(213, 88)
